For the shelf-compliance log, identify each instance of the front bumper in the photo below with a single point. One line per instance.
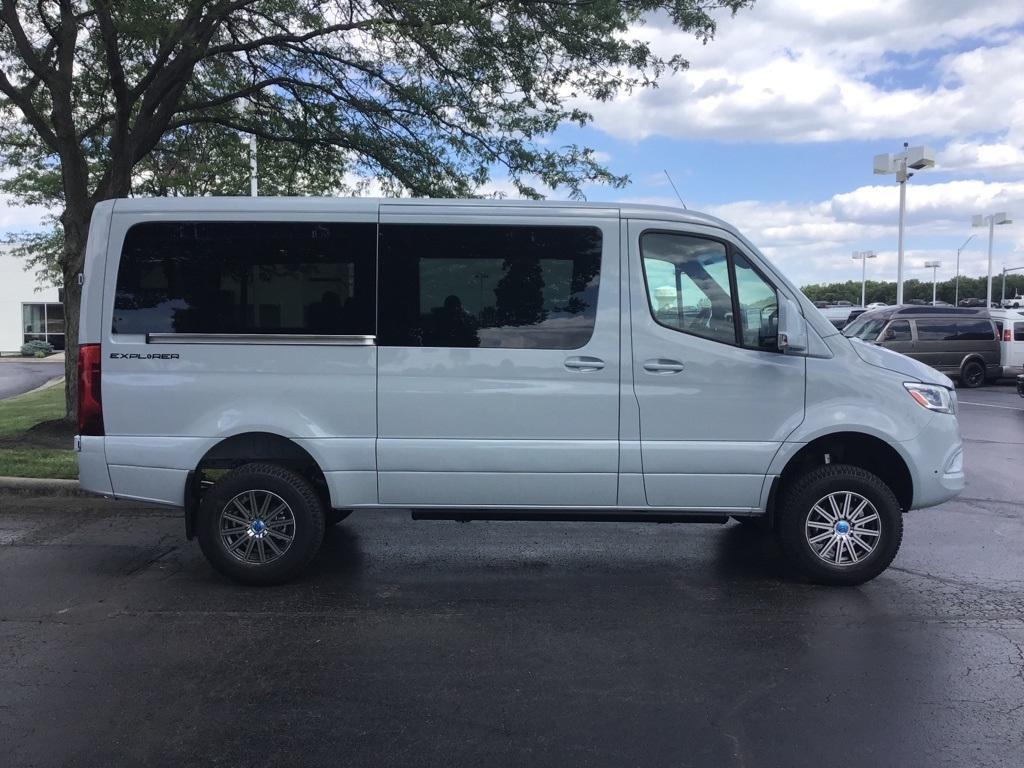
(936, 462)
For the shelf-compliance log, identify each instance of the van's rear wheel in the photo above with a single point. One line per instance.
(261, 524)
(972, 374)
(840, 524)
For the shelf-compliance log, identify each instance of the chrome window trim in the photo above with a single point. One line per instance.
(306, 339)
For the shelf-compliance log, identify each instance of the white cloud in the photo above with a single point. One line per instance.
(813, 71)
(813, 242)
(997, 158)
(18, 218)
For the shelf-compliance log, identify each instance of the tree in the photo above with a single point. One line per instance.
(970, 287)
(430, 97)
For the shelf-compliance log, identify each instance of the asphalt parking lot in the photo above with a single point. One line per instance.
(544, 644)
(17, 377)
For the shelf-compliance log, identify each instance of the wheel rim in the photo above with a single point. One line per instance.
(257, 527)
(974, 374)
(843, 528)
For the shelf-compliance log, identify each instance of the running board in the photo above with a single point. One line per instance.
(565, 516)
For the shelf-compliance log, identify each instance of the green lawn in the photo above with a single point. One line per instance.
(38, 462)
(20, 455)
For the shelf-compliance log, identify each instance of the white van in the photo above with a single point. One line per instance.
(271, 364)
(1010, 324)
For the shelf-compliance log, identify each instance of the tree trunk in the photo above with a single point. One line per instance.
(76, 230)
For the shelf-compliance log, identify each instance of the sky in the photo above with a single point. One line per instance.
(774, 125)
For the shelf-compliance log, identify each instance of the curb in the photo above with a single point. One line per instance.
(45, 385)
(33, 486)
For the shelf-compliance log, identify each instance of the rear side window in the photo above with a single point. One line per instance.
(1018, 331)
(247, 278)
(489, 286)
(974, 330)
(936, 330)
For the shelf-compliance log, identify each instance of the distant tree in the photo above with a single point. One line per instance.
(100, 99)
(970, 287)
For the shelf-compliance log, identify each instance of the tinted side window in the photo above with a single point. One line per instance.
(688, 284)
(936, 330)
(898, 330)
(759, 307)
(518, 287)
(1018, 331)
(247, 277)
(974, 330)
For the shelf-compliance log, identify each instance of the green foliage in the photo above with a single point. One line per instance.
(100, 99)
(970, 287)
(429, 97)
(37, 349)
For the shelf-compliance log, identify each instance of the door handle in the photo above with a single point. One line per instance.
(584, 363)
(661, 365)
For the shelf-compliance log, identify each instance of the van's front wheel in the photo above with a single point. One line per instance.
(261, 524)
(840, 524)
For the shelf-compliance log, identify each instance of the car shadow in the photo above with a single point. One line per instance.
(339, 555)
(746, 553)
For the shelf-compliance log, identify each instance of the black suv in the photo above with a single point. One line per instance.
(958, 341)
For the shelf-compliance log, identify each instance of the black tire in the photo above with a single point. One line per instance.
(795, 508)
(972, 375)
(307, 530)
(335, 516)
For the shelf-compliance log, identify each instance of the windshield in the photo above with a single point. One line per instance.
(864, 329)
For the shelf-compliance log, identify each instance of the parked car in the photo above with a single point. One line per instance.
(971, 303)
(838, 316)
(822, 304)
(939, 303)
(270, 364)
(958, 342)
(1014, 302)
(1010, 331)
(854, 314)
(876, 305)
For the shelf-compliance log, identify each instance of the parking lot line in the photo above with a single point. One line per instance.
(990, 405)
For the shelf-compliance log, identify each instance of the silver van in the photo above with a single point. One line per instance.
(269, 365)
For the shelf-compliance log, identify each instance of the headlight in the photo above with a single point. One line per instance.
(931, 396)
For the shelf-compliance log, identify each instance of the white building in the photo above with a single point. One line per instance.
(27, 310)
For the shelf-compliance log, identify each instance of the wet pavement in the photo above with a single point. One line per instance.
(512, 644)
(19, 377)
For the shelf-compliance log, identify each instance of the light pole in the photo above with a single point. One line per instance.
(864, 256)
(934, 266)
(1002, 292)
(991, 220)
(956, 300)
(916, 158)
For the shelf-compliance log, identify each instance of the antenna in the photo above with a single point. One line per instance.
(676, 191)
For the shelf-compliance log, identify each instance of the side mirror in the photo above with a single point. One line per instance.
(792, 327)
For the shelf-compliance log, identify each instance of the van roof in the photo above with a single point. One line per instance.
(917, 310)
(370, 204)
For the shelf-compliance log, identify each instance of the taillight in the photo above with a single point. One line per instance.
(90, 405)
(1007, 334)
